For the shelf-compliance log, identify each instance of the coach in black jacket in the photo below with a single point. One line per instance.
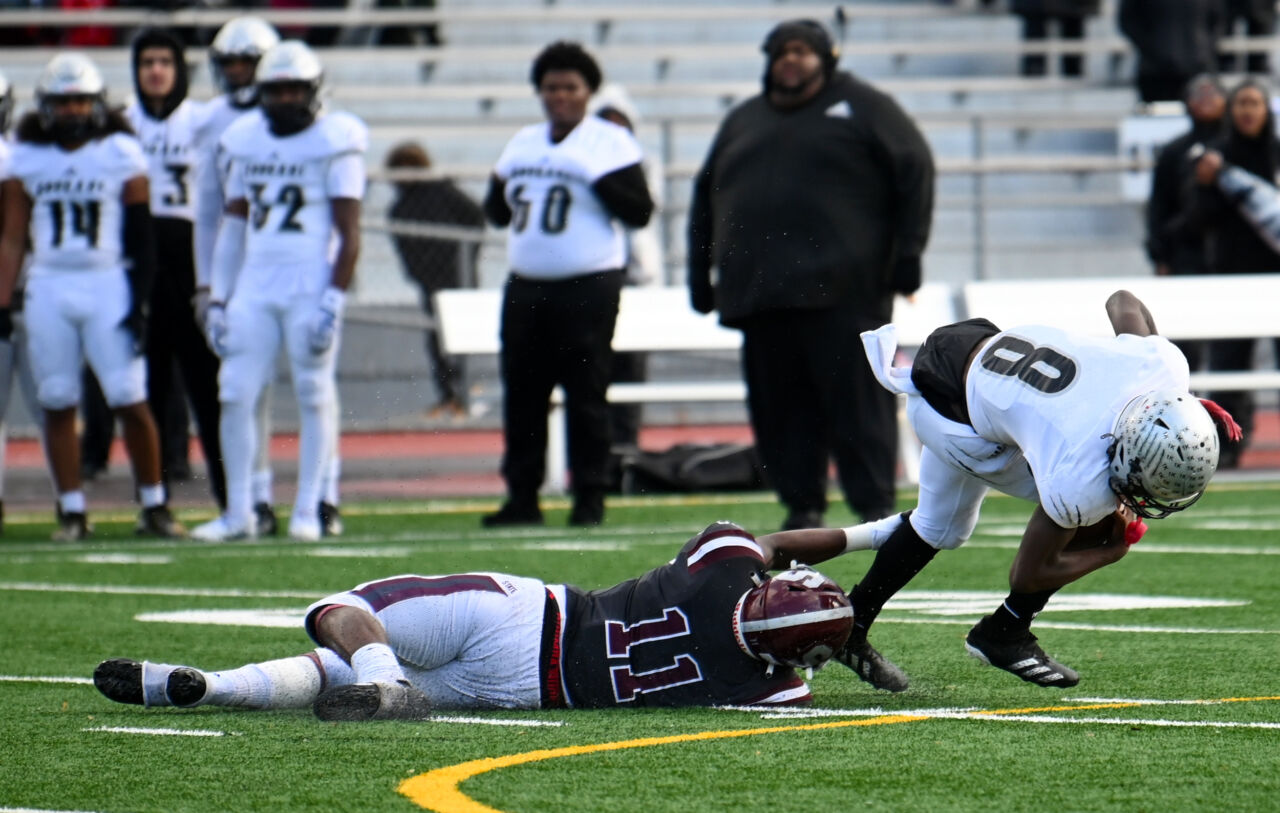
(813, 206)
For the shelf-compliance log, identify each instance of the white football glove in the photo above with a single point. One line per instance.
(200, 304)
(215, 328)
(324, 325)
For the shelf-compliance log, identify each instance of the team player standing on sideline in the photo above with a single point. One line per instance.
(78, 189)
(284, 256)
(166, 124)
(233, 57)
(14, 361)
(566, 187)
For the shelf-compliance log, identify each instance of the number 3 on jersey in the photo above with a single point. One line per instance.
(555, 209)
(290, 198)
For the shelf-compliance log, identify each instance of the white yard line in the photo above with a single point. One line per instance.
(44, 679)
(159, 732)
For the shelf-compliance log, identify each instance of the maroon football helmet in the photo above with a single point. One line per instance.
(798, 618)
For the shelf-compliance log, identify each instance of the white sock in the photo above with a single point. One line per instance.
(376, 663)
(870, 535)
(151, 495)
(262, 486)
(329, 487)
(336, 671)
(71, 502)
(238, 441)
(315, 437)
(288, 683)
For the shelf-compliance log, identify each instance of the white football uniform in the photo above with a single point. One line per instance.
(559, 227)
(213, 167)
(290, 245)
(77, 292)
(171, 150)
(1043, 403)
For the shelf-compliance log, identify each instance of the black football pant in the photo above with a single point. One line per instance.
(557, 332)
(176, 339)
(812, 397)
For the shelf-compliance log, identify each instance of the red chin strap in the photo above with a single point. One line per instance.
(1223, 418)
(1134, 531)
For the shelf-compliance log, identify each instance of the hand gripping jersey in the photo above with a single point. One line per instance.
(666, 638)
(1056, 396)
(76, 212)
(288, 182)
(559, 228)
(171, 149)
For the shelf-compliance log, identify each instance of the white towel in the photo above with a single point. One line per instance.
(882, 346)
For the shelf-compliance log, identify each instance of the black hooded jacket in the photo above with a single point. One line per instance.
(160, 38)
(812, 207)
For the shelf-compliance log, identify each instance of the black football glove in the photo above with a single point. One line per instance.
(6, 324)
(135, 321)
(907, 275)
(702, 297)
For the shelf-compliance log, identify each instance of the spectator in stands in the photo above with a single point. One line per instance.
(1259, 18)
(1174, 41)
(814, 206)
(1234, 245)
(567, 187)
(435, 263)
(1067, 15)
(1174, 247)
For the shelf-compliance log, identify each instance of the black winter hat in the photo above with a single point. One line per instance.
(161, 38)
(810, 32)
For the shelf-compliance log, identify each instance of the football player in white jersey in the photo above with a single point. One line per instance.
(233, 58)
(284, 256)
(78, 186)
(1100, 433)
(13, 343)
(568, 188)
(166, 124)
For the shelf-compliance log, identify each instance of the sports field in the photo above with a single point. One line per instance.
(1178, 707)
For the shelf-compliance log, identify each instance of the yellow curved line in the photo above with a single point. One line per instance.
(438, 790)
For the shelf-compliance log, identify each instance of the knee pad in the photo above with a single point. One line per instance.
(59, 391)
(125, 387)
(313, 388)
(940, 535)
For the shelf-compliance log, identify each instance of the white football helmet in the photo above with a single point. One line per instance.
(6, 103)
(1164, 452)
(290, 63)
(71, 75)
(245, 37)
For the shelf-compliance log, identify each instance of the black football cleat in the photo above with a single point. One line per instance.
(330, 519)
(72, 527)
(513, 514)
(1021, 656)
(357, 702)
(872, 667)
(185, 687)
(264, 520)
(157, 521)
(120, 679)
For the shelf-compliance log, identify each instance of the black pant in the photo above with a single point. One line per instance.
(1035, 27)
(812, 396)
(176, 339)
(557, 332)
(447, 370)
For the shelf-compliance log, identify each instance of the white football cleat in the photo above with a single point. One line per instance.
(305, 529)
(222, 529)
